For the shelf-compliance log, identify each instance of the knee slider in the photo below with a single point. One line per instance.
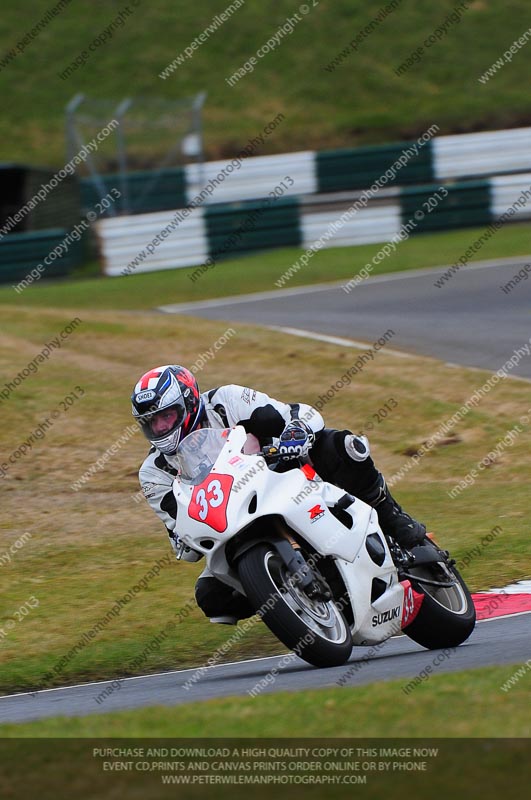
(357, 447)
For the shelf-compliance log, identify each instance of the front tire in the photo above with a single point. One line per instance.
(315, 630)
(447, 615)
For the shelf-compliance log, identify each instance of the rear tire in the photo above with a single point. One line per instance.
(315, 630)
(447, 615)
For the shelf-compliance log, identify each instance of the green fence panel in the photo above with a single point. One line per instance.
(466, 205)
(142, 192)
(249, 226)
(20, 253)
(358, 168)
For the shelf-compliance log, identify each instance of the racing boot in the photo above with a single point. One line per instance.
(405, 530)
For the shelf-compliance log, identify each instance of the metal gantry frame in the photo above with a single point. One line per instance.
(180, 120)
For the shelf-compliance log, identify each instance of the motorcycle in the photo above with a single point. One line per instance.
(310, 557)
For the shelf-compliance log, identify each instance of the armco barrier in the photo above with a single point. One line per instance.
(358, 168)
(301, 215)
(141, 192)
(377, 223)
(470, 155)
(130, 243)
(465, 206)
(214, 229)
(482, 154)
(22, 252)
(256, 225)
(250, 178)
(224, 229)
(506, 190)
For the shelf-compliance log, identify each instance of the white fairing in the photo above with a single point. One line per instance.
(238, 489)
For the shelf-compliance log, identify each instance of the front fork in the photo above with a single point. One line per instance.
(302, 570)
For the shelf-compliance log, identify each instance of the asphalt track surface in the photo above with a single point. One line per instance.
(496, 641)
(470, 320)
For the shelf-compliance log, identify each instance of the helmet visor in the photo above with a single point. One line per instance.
(158, 425)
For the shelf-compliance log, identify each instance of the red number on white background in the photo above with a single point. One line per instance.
(209, 501)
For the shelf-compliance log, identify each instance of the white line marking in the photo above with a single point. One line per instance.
(503, 616)
(179, 308)
(323, 337)
(213, 666)
(137, 677)
(340, 341)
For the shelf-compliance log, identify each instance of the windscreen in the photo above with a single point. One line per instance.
(197, 453)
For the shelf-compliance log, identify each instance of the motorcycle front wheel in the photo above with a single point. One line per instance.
(315, 630)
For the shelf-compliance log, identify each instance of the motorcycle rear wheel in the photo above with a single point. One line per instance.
(315, 630)
(447, 615)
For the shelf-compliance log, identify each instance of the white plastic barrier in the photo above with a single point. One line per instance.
(129, 243)
(506, 190)
(252, 177)
(482, 154)
(377, 224)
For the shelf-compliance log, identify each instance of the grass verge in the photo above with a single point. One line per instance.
(254, 273)
(464, 705)
(327, 103)
(89, 547)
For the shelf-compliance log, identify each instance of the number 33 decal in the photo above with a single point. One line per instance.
(209, 501)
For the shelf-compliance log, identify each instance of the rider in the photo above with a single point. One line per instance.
(168, 406)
